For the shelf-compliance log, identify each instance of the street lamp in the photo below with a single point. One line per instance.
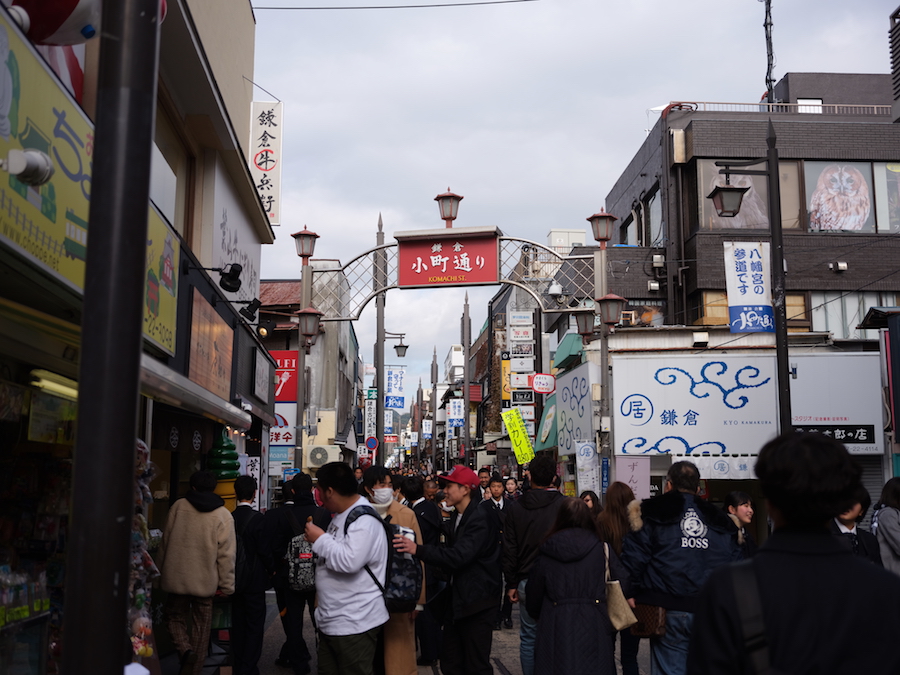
(449, 204)
(400, 348)
(610, 308)
(727, 201)
(602, 226)
(308, 329)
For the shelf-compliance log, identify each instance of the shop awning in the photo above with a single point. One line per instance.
(568, 353)
(160, 382)
(546, 431)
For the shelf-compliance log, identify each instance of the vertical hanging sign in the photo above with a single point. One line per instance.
(748, 284)
(266, 128)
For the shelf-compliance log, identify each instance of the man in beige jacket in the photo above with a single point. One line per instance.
(197, 559)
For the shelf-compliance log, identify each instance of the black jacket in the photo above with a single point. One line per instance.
(430, 523)
(248, 524)
(867, 546)
(472, 558)
(279, 531)
(527, 523)
(677, 539)
(825, 611)
(566, 590)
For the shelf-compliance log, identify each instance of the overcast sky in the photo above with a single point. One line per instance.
(529, 110)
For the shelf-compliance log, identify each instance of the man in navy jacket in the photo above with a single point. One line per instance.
(677, 539)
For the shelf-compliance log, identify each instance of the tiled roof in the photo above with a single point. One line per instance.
(279, 293)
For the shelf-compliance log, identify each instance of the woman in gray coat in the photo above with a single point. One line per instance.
(886, 525)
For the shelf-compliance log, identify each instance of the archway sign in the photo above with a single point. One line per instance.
(462, 256)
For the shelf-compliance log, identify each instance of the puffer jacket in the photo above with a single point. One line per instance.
(676, 540)
(196, 555)
(472, 558)
(527, 523)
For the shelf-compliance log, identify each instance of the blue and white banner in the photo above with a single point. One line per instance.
(393, 388)
(748, 282)
(426, 429)
(388, 421)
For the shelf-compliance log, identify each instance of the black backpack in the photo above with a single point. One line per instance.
(403, 583)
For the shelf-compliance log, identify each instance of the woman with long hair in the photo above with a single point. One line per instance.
(886, 525)
(590, 498)
(613, 523)
(739, 507)
(566, 593)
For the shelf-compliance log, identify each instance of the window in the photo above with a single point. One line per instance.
(713, 311)
(809, 105)
(840, 313)
(654, 221)
(887, 196)
(170, 173)
(839, 196)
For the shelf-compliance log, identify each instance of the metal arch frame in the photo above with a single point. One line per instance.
(360, 275)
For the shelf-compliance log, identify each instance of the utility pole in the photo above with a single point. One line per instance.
(466, 340)
(380, 277)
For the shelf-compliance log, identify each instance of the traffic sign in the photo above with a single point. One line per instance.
(372, 443)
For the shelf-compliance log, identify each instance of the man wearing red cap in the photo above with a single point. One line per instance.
(472, 557)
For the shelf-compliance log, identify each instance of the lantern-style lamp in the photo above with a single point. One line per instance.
(449, 204)
(727, 199)
(585, 323)
(309, 321)
(603, 227)
(610, 307)
(305, 240)
(401, 348)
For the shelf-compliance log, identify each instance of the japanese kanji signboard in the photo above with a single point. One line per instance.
(286, 387)
(448, 257)
(266, 129)
(518, 435)
(748, 282)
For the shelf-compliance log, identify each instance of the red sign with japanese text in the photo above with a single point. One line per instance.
(448, 259)
(286, 387)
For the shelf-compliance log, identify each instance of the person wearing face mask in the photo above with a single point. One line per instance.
(396, 651)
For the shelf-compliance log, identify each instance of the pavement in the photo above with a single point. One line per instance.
(504, 652)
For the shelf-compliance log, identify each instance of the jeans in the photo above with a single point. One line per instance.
(668, 654)
(628, 651)
(527, 633)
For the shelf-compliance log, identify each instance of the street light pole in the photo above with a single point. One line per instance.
(380, 275)
(466, 340)
(727, 199)
(434, 376)
(305, 241)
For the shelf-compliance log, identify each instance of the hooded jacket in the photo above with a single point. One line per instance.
(196, 555)
(528, 521)
(676, 540)
(567, 590)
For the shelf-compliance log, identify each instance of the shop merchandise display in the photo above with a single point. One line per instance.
(143, 569)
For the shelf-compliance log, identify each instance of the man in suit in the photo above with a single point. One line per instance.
(846, 527)
(428, 628)
(499, 502)
(280, 528)
(248, 604)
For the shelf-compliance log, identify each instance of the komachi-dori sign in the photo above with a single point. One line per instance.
(451, 257)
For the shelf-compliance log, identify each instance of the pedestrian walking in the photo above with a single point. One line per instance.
(566, 593)
(815, 607)
(739, 507)
(590, 498)
(614, 526)
(846, 527)
(886, 524)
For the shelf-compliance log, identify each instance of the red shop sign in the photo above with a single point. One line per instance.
(451, 257)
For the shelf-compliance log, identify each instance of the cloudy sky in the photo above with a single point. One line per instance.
(530, 110)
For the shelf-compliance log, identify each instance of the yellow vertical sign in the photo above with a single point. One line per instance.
(518, 435)
(504, 379)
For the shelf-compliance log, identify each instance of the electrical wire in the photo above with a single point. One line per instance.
(446, 4)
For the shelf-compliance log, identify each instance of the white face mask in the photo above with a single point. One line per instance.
(382, 495)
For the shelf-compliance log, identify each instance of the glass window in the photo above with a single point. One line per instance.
(838, 196)
(840, 313)
(170, 172)
(754, 213)
(791, 194)
(887, 196)
(654, 218)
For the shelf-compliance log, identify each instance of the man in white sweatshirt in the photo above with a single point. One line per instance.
(351, 607)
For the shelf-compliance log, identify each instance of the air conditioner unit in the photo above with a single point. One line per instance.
(316, 456)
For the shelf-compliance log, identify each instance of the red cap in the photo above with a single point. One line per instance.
(463, 475)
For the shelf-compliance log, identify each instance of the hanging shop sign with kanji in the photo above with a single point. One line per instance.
(449, 257)
(266, 129)
(748, 284)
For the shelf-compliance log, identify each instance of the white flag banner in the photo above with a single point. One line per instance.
(266, 128)
(748, 282)
(426, 429)
(393, 388)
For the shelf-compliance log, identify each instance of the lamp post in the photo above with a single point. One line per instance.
(449, 204)
(400, 348)
(466, 340)
(434, 377)
(308, 329)
(727, 201)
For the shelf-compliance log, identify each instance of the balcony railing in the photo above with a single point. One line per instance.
(789, 108)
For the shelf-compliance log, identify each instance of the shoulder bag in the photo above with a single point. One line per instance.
(620, 614)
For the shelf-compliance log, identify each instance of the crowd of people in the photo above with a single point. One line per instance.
(820, 595)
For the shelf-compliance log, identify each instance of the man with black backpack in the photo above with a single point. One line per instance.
(248, 604)
(282, 526)
(352, 557)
